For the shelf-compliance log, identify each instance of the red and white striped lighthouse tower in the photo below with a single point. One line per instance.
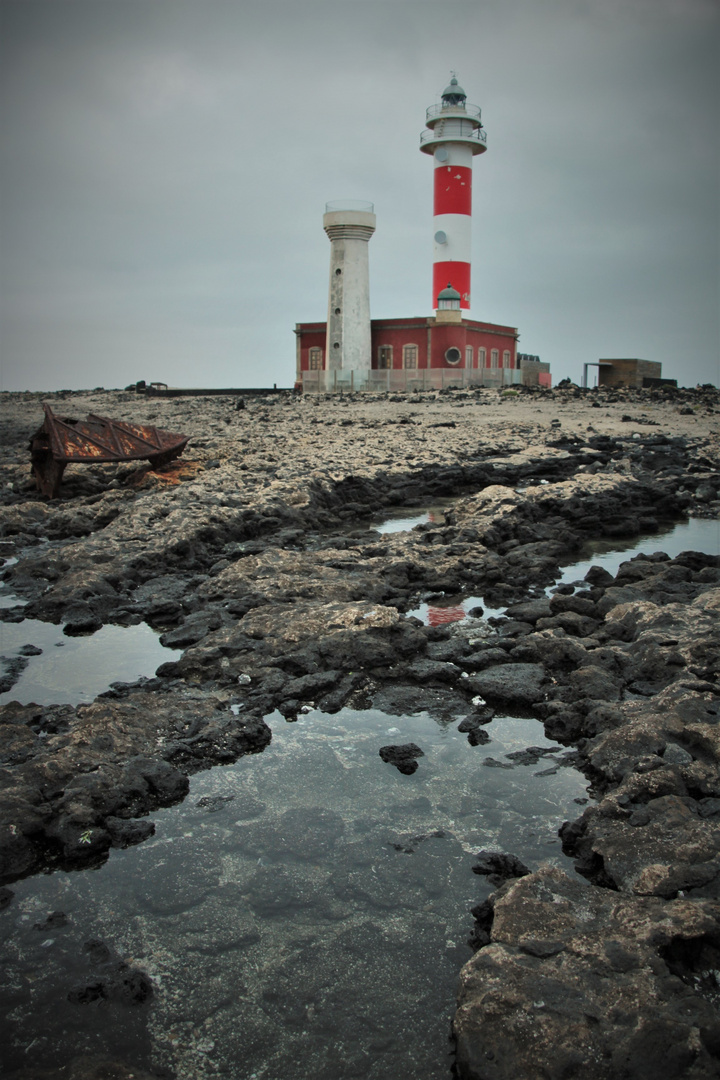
(456, 134)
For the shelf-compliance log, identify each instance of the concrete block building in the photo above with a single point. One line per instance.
(627, 372)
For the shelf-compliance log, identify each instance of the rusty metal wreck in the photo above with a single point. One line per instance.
(62, 440)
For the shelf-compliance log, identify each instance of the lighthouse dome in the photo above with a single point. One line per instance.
(449, 293)
(453, 94)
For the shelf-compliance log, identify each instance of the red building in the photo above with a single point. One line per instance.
(441, 350)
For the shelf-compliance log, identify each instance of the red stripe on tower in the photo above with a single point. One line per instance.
(456, 274)
(453, 189)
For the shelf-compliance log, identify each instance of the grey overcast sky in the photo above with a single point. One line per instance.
(165, 166)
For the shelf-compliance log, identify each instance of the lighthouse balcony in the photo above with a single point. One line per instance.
(439, 112)
(477, 139)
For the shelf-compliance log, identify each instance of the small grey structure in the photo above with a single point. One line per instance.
(349, 225)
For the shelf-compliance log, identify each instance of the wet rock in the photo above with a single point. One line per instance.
(13, 668)
(573, 961)
(498, 866)
(531, 610)
(530, 755)
(30, 650)
(194, 628)
(54, 921)
(678, 852)
(124, 833)
(426, 671)
(518, 684)
(406, 700)
(113, 980)
(598, 575)
(402, 756)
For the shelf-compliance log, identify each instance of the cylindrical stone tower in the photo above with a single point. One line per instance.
(349, 226)
(456, 134)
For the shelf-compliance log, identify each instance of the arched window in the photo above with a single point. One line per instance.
(385, 357)
(468, 356)
(482, 357)
(315, 359)
(506, 359)
(410, 356)
(494, 357)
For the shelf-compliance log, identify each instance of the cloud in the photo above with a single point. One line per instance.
(166, 165)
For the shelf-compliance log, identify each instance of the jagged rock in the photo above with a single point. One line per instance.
(402, 757)
(555, 992)
(519, 684)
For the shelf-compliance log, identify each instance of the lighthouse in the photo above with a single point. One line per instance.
(413, 354)
(454, 137)
(349, 226)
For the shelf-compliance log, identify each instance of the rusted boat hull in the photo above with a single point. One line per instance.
(62, 440)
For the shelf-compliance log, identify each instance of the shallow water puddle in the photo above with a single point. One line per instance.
(303, 913)
(72, 670)
(695, 534)
(450, 609)
(403, 520)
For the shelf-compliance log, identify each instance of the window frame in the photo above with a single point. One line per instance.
(410, 351)
(385, 353)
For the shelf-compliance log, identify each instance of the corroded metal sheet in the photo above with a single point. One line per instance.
(62, 440)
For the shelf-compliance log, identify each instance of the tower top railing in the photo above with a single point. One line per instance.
(479, 135)
(359, 206)
(472, 111)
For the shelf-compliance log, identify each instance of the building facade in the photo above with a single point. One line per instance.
(434, 351)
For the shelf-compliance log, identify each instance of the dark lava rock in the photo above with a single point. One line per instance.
(598, 575)
(114, 980)
(499, 867)
(531, 610)
(530, 755)
(519, 684)
(54, 921)
(14, 667)
(194, 628)
(475, 720)
(81, 619)
(125, 833)
(401, 700)
(212, 803)
(571, 964)
(478, 737)
(30, 650)
(402, 757)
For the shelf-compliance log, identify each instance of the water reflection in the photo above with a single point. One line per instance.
(450, 609)
(71, 670)
(304, 912)
(695, 534)
(402, 521)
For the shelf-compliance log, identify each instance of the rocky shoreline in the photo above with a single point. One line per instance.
(255, 555)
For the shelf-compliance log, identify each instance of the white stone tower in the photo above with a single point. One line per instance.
(455, 136)
(349, 226)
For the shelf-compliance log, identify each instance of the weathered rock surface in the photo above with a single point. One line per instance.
(580, 981)
(260, 564)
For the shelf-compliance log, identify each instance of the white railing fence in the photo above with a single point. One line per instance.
(405, 379)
